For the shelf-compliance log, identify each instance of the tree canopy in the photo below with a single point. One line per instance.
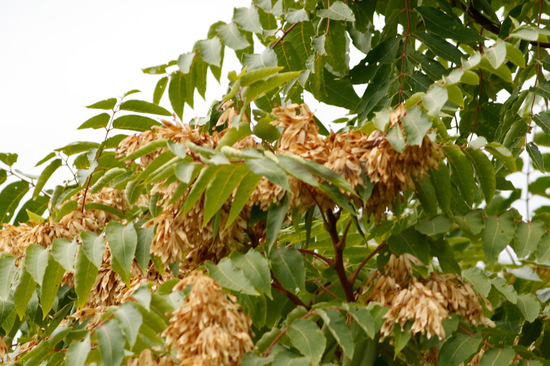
(265, 234)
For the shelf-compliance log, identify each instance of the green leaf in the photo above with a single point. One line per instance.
(436, 225)
(287, 265)
(244, 191)
(543, 121)
(497, 356)
(185, 61)
(463, 174)
(527, 237)
(159, 89)
(297, 16)
(143, 248)
(261, 87)
(255, 269)
(306, 336)
(53, 274)
(11, 196)
(498, 233)
(337, 325)
(337, 11)
(248, 19)
(440, 47)
(442, 183)
(529, 306)
(93, 246)
(503, 154)
(85, 275)
(133, 122)
(6, 269)
(111, 343)
(99, 121)
(231, 277)
(458, 349)
(325, 173)
(109, 176)
(45, 175)
(485, 172)
(142, 106)
(416, 123)
(234, 134)
(36, 259)
(122, 243)
(269, 169)
(478, 279)
(446, 26)
(129, 319)
(177, 92)
(276, 215)
(433, 101)
(8, 158)
(104, 104)
(210, 50)
(255, 75)
(543, 248)
(268, 58)
(231, 36)
(63, 251)
(496, 54)
(535, 155)
(401, 337)
(78, 352)
(410, 241)
(66, 209)
(23, 293)
(200, 185)
(508, 291)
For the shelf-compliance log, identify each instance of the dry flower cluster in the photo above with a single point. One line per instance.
(14, 239)
(210, 327)
(424, 302)
(355, 156)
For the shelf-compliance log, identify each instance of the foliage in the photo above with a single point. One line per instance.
(391, 241)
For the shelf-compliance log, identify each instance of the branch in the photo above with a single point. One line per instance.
(353, 277)
(284, 35)
(295, 299)
(328, 261)
(339, 245)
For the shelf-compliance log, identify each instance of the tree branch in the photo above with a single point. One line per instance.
(353, 277)
(339, 245)
(295, 299)
(284, 35)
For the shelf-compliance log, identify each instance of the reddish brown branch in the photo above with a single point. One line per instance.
(284, 35)
(353, 277)
(339, 245)
(328, 261)
(295, 299)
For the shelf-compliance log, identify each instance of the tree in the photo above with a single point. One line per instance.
(257, 235)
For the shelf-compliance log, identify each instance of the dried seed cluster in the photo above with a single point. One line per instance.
(15, 239)
(355, 156)
(210, 327)
(424, 302)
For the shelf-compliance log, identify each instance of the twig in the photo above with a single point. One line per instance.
(328, 261)
(339, 245)
(295, 299)
(284, 35)
(353, 277)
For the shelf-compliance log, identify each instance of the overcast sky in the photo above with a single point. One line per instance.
(57, 56)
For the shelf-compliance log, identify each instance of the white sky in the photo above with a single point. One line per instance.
(57, 56)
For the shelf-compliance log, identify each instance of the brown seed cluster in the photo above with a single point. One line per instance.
(354, 155)
(181, 237)
(15, 239)
(210, 327)
(424, 302)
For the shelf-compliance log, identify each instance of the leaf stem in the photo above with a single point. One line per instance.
(283, 36)
(353, 277)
